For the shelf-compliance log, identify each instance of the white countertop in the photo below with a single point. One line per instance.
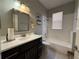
(18, 41)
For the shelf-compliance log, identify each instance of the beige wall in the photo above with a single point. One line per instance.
(7, 5)
(65, 34)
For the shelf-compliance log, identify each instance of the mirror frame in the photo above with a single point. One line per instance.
(15, 12)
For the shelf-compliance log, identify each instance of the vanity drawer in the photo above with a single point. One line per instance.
(10, 53)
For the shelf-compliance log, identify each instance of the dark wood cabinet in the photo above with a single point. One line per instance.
(30, 50)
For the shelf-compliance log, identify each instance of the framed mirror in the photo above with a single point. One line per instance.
(20, 21)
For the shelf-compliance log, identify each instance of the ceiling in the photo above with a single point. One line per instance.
(54, 3)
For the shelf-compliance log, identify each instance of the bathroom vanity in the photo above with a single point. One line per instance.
(22, 48)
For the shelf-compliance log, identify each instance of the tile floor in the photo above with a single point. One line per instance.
(50, 53)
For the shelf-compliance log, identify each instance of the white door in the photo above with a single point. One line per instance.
(76, 56)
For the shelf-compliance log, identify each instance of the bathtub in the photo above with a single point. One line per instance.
(59, 46)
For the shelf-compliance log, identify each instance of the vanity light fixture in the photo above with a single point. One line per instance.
(18, 5)
(24, 8)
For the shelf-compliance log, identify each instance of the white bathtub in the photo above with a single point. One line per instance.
(59, 46)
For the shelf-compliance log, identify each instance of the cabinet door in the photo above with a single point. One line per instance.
(31, 53)
(39, 51)
(21, 55)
